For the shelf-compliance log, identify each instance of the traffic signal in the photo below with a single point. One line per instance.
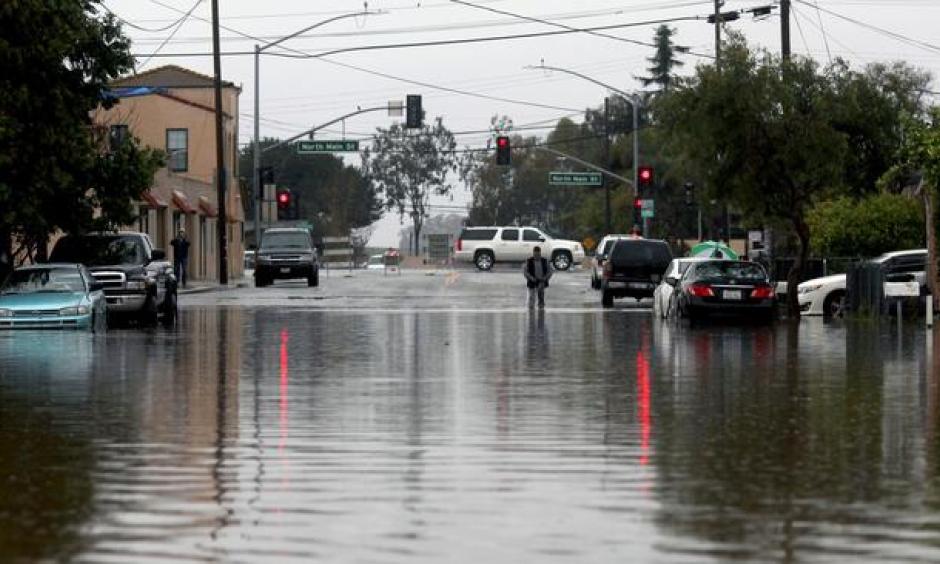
(637, 210)
(689, 193)
(503, 151)
(645, 175)
(414, 115)
(265, 178)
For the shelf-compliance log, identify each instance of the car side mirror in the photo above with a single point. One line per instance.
(96, 286)
(157, 254)
(541, 239)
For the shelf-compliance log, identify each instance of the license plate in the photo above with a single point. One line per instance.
(285, 270)
(617, 284)
(731, 294)
(639, 285)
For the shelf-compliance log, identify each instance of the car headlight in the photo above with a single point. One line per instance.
(80, 310)
(6, 313)
(264, 258)
(808, 289)
(136, 284)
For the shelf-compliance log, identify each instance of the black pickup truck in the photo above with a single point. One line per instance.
(137, 279)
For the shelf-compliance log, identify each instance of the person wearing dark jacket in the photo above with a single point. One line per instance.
(180, 246)
(537, 271)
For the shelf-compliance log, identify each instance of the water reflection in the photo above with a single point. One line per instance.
(248, 434)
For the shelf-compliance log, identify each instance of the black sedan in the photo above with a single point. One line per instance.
(725, 287)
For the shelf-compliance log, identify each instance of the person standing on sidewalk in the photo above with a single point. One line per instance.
(180, 246)
(537, 272)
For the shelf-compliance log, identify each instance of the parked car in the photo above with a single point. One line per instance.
(662, 296)
(136, 278)
(52, 296)
(600, 255)
(376, 262)
(633, 269)
(826, 295)
(485, 246)
(286, 253)
(715, 287)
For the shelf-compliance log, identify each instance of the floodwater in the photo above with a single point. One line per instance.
(250, 434)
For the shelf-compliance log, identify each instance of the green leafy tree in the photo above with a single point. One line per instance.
(760, 133)
(664, 61)
(56, 61)
(409, 167)
(867, 227)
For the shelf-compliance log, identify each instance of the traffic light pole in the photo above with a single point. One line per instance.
(607, 213)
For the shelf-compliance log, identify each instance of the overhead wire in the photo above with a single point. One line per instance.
(823, 28)
(894, 35)
(179, 25)
(138, 27)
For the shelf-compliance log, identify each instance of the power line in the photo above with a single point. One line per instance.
(894, 35)
(569, 28)
(131, 24)
(179, 25)
(441, 42)
(823, 28)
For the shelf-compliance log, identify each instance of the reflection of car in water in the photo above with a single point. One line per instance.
(136, 278)
(715, 287)
(52, 296)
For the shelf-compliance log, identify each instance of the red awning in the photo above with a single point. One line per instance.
(152, 200)
(180, 201)
(206, 206)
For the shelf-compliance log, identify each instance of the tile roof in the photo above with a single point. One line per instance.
(169, 76)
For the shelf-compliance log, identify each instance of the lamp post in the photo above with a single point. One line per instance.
(634, 103)
(256, 145)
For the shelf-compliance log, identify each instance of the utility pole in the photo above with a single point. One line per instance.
(785, 29)
(607, 214)
(220, 174)
(717, 33)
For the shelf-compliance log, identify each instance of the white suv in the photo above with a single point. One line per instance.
(485, 246)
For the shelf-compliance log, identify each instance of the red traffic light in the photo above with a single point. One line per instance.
(283, 199)
(503, 151)
(502, 142)
(637, 203)
(645, 175)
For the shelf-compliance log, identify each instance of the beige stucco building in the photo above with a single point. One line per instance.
(172, 108)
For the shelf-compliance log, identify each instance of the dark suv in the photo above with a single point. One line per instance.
(136, 278)
(633, 269)
(286, 253)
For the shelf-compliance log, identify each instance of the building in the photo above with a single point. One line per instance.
(173, 109)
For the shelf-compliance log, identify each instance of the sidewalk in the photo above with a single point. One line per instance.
(201, 286)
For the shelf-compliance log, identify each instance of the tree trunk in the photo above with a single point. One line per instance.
(929, 205)
(417, 242)
(796, 273)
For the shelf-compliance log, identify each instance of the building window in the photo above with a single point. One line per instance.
(117, 134)
(177, 149)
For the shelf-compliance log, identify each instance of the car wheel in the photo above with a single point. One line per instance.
(170, 309)
(313, 280)
(260, 282)
(834, 304)
(148, 314)
(607, 299)
(484, 260)
(562, 260)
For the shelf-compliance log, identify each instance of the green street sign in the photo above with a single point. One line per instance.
(307, 147)
(575, 178)
(647, 213)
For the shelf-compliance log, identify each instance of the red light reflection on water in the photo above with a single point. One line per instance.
(643, 404)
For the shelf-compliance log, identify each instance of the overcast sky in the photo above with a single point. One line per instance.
(298, 93)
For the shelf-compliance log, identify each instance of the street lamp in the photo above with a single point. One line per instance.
(635, 103)
(256, 145)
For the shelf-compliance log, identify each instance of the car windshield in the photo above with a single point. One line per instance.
(376, 259)
(99, 250)
(724, 271)
(285, 240)
(45, 280)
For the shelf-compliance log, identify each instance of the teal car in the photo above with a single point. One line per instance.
(52, 296)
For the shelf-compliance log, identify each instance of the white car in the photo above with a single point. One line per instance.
(376, 262)
(826, 296)
(485, 246)
(662, 295)
(600, 255)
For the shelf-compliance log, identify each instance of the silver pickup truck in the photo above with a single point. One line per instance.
(137, 279)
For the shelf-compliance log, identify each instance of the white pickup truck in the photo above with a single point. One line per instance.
(485, 246)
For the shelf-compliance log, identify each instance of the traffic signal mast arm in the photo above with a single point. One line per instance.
(587, 164)
(321, 126)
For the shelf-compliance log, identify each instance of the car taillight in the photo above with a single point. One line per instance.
(701, 291)
(459, 244)
(608, 269)
(762, 292)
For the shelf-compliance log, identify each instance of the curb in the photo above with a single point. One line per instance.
(206, 289)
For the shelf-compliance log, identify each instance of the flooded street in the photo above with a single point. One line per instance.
(461, 427)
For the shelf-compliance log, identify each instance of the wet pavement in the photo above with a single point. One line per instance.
(431, 418)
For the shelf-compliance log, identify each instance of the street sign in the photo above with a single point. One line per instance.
(648, 208)
(307, 147)
(575, 178)
(646, 214)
